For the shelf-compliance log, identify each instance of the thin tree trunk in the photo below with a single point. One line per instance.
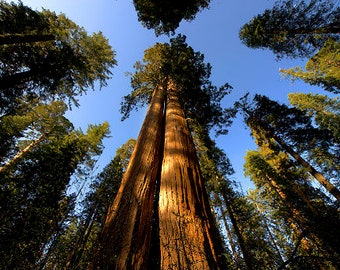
(318, 176)
(229, 235)
(21, 154)
(125, 238)
(78, 247)
(188, 234)
(271, 237)
(241, 242)
(296, 215)
(19, 38)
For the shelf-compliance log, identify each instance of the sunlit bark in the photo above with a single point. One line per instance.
(188, 236)
(21, 154)
(125, 239)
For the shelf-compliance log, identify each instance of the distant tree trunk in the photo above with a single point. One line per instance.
(78, 247)
(318, 176)
(237, 229)
(295, 213)
(125, 238)
(229, 235)
(296, 219)
(21, 154)
(271, 237)
(20, 38)
(188, 234)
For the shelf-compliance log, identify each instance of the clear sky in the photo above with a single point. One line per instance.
(214, 33)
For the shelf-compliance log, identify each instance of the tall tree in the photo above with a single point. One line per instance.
(298, 202)
(293, 28)
(74, 248)
(175, 75)
(165, 16)
(285, 125)
(126, 236)
(23, 132)
(322, 69)
(29, 69)
(33, 193)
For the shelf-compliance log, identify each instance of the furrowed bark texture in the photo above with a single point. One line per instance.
(126, 235)
(188, 238)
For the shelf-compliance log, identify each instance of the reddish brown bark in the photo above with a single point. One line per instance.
(187, 232)
(125, 239)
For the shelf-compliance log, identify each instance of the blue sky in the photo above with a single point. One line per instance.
(214, 33)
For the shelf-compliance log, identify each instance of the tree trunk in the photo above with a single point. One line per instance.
(296, 219)
(229, 235)
(188, 235)
(318, 176)
(271, 237)
(19, 38)
(78, 247)
(22, 153)
(125, 238)
(241, 242)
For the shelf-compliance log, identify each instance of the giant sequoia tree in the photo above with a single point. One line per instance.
(174, 80)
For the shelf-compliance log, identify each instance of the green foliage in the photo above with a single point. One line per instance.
(75, 247)
(324, 110)
(33, 196)
(20, 19)
(178, 64)
(164, 16)
(17, 131)
(293, 28)
(322, 69)
(27, 70)
(284, 188)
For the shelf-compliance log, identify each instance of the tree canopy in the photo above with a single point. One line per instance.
(322, 69)
(165, 16)
(293, 28)
(27, 68)
(179, 63)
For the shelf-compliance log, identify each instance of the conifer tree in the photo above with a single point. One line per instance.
(293, 28)
(322, 69)
(286, 125)
(306, 209)
(62, 67)
(34, 203)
